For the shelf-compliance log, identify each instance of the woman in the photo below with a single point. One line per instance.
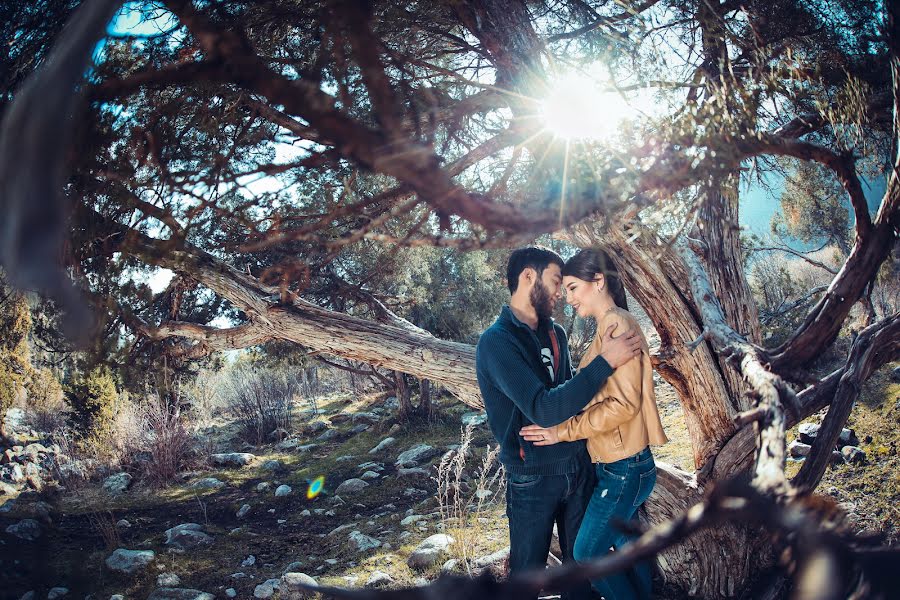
(619, 424)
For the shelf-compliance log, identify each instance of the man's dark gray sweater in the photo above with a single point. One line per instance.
(517, 391)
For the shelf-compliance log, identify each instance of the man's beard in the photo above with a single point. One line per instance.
(541, 300)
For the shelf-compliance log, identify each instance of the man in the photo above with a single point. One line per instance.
(525, 375)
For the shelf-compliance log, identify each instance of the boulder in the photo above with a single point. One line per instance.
(430, 551)
(416, 455)
(365, 417)
(328, 435)
(371, 466)
(232, 459)
(295, 586)
(242, 512)
(807, 432)
(369, 475)
(231, 592)
(187, 535)
(362, 542)
(474, 419)
(799, 449)
(272, 465)
(847, 438)
(26, 529)
(57, 592)
(493, 559)
(179, 594)
(379, 579)
(412, 472)
(282, 491)
(266, 589)
(115, 485)
(129, 561)
(359, 428)
(895, 374)
(208, 483)
(351, 486)
(168, 580)
(385, 443)
(854, 455)
(411, 519)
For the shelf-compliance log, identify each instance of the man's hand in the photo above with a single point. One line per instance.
(619, 350)
(540, 436)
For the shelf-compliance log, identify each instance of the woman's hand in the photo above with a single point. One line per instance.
(540, 436)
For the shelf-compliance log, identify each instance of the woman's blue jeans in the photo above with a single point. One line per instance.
(621, 488)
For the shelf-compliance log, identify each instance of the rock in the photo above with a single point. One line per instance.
(231, 592)
(344, 458)
(357, 429)
(416, 455)
(412, 472)
(26, 529)
(242, 511)
(307, 448)
(385, 443)
(279, 434)
(187, 535)
(263, 486)
(450, 566)
(294, 567)
(341, 528)
(249, 561)
(365, 417)
(414, 493)
(371, 466)
(288, 444)
(379, 579)
(895, 374)
(351, 486)
(316, 427)
(29, 595)
(328, 435)
(232, 459)
(799, 449)
(292, 586)
(474, 419)
(492, 559)
(836, 458)
(123, 524)
(208, 483)
(391, 403)
(429, 552)
(117, 597)
(15, 473)
(179, 594)
(282, 491)
(266, 589)
(854, 455)
(129, 561)
(168, 580)
(116, 484)
(807, 432)
(411, 519)
(369, 475)
(362, 542)
(57, 592)
(847, 438)
(272, 465)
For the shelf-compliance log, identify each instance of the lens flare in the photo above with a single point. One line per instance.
(315, 487)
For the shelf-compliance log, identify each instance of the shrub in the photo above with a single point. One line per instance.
(46, 403)
(15, 324)
(93, 398)
(460, 505)
(261, 400)
(166, 439)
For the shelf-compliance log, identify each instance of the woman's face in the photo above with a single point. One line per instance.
(583, 295)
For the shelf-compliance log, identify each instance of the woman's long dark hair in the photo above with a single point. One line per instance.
(588, 262)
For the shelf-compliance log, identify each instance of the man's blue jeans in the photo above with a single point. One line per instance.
(533, 504)
(621, 488)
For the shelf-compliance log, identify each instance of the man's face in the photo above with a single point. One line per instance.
(546, 291)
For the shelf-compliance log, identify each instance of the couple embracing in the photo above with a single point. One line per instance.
(575, 446)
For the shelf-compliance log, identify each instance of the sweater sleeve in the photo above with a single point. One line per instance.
(508, 370)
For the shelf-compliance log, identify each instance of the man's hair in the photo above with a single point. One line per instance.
(536, 257)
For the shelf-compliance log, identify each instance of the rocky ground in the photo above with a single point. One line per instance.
(251, 526)
(247, 527)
